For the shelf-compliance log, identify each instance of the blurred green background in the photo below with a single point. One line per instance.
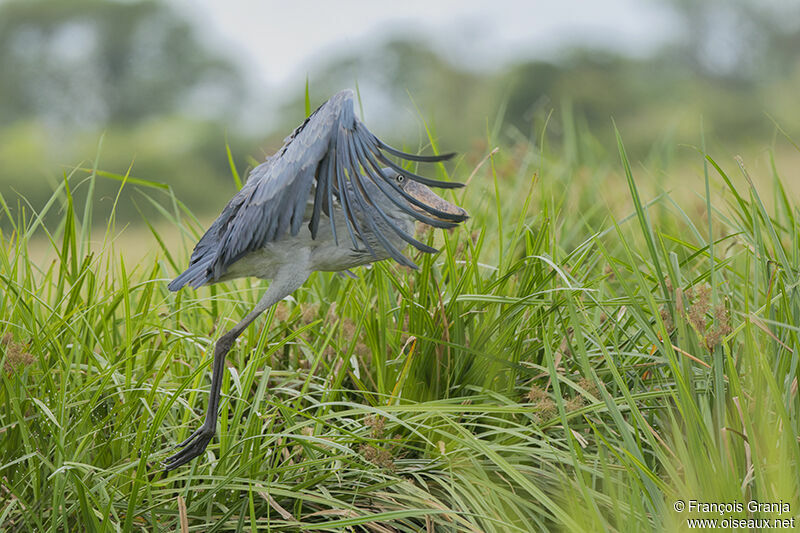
(166, 93)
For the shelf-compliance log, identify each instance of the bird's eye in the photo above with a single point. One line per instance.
(400, 178)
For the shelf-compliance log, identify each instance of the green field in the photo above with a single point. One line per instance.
(583, 353)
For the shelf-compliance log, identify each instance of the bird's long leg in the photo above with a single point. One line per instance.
(286, 282)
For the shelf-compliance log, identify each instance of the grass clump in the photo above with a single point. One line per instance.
(556, 366)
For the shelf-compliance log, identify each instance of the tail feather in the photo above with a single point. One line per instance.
(196, 275)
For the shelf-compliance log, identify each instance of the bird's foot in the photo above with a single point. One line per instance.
(192, 447)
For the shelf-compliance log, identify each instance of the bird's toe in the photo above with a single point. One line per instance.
(192, 447)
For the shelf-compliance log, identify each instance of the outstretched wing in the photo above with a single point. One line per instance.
(333, 153)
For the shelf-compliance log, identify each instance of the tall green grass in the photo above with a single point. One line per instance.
(554, 367)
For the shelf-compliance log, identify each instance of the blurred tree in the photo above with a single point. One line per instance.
(650, 98)
(90, 62)
(136, 69)
(739, 39)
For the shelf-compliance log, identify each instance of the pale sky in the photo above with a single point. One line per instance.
(281, 41)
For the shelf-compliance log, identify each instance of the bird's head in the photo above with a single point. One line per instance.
(426, 196)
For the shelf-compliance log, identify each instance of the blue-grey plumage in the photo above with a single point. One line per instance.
(323, 202)
(331, 152)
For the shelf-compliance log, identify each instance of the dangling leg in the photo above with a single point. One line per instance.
(285, 283)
